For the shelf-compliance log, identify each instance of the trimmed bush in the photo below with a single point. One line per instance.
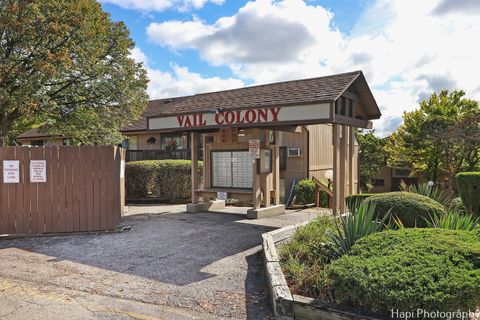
(357, 199)
(305, 192)
(410, 208)
(432, 269)
(163, 179)
(468, 184)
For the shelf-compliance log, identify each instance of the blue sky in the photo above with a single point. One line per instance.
(192, 46)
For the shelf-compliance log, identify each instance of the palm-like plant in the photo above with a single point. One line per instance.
(354, 226)
(453, 220)
(433, 192)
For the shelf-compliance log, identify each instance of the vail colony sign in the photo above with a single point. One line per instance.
(247, 117)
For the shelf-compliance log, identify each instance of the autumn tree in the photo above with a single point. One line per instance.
(65, 65)
(441, 137)
(371, 157)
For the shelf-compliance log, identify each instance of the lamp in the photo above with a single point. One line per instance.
(329, 176)
(430, 183)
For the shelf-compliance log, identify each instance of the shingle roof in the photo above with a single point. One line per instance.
(320, 89)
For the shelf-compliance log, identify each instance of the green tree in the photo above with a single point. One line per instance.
(441, 137)
(65, 65)
(371, 157)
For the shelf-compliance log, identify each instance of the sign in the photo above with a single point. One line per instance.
(11, 171)
(226, 118)
(122, 169)
(222, 195)
(38, 170)
(254, 148)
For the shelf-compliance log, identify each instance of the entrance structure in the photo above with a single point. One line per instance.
(229, 125)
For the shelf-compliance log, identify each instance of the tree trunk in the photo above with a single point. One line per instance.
(4, 127)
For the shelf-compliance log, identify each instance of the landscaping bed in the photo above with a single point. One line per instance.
(366, 264)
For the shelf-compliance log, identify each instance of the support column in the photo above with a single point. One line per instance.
(343, 164)
(255, 186)
(336, 173)
(194, 157)
(276, 164)
(351, 160)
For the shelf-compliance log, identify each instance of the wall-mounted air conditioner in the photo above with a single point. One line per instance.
(294, 152)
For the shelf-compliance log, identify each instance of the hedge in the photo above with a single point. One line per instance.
(305, 192)
(410, 208)
(163, 179)
(468, 184)
(356, 199)
(409, 269)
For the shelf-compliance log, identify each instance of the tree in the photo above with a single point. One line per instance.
(439, 137)
(371, 157)
(65, 65)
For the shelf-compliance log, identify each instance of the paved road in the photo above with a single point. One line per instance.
(170, 265)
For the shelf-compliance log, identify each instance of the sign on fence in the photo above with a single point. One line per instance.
(11, 171)
(38, 171)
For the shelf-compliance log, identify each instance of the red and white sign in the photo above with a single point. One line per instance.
(11, 171)
(254, 148)
(38, 170)
(225, 118)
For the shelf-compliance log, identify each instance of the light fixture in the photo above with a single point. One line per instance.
(430, 183)
(328, 174)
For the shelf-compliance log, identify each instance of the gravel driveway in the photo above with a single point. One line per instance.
(170, 265)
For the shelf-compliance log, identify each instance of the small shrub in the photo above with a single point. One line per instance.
(468, 184)
(411, 209)
(164, 179)
(356, 226)
(409, 269)
(355, 199)
(456, 204)
(305, 192)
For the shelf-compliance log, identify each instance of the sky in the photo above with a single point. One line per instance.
(407, 49)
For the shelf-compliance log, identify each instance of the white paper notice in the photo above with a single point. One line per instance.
(254, 148)
(38, 170)
(122, 169)
(11, 171)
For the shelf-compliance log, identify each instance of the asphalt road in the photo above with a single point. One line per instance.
(170, 265)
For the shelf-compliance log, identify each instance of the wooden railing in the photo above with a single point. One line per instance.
(139, 155)
(319, 185)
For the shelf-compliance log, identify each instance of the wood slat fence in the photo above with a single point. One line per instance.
(84, 190)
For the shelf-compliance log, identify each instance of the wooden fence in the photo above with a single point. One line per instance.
(83, 189)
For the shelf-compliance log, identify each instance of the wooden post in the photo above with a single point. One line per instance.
(343, 167)
(194, 157)
(351, 158)
(336, 159)
(276, 167)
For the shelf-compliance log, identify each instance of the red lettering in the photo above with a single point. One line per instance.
(195, 119)
(201, 121)
(262, 115)
(250, 116)
(229, 117)
(239, 118)
(180, 120)
(275, 112)
(219, 118)
(188, 122)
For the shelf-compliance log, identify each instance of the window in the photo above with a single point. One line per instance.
(378, 182)
(38, 143)
(180, 139)
(403, 172)
(130, 143)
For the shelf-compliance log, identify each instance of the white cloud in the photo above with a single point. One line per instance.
(179, 81)
(407, 49)
(161, 5)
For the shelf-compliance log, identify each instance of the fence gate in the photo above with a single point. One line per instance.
(60, 189)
